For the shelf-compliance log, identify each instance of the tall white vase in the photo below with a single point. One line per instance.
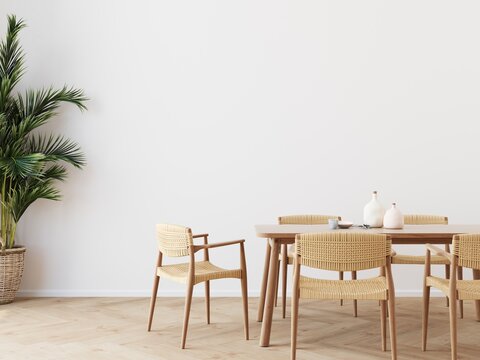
(393, 218)
(373, 212)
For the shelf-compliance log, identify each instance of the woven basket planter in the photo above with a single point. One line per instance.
(11, 271)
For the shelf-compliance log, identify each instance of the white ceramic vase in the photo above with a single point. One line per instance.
(373, 212)
(393, 218)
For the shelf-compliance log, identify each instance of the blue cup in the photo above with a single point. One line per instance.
(333, 224)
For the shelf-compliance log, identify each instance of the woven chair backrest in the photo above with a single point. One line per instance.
(343, 251)
(425, 220)
(467, 248)
(306, 219)
(174, 240)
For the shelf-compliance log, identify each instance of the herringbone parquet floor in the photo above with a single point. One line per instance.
(115, 328)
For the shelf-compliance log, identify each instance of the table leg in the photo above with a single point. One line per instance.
(270, 296)
(263, 290)
(476, 276)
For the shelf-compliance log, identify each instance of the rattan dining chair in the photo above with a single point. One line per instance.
(466, 253)
(286, 256)
(343, 251)
(420, 259)
(177, 241)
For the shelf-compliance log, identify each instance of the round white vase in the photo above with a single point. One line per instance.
(373, 212)
(393, 218)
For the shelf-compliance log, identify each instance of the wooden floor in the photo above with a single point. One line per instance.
(114, 328)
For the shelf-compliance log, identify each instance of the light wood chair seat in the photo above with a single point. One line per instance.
(204, 271)
(466, 289)
(418, 260)
(364, 289)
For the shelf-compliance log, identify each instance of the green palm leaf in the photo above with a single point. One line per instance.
(35, 108)
(22, 166)
(57, 148)
(11, 62)
(11, 54)
(23, 197)
(55, 172)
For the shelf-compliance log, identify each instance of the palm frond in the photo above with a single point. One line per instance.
(11, 54)
(24, 196)
(54, 172)
(22, 166)
(57, 148)
(11, 60)
(36, 107)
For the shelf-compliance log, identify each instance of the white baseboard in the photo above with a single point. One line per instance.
(122, 293)
(170, 293)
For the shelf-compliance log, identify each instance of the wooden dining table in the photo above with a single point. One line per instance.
(285, 234)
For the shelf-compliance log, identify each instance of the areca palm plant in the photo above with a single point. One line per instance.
(31, 161)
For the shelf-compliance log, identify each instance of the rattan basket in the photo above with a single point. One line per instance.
(11, 271)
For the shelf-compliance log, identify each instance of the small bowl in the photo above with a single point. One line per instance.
(344, 224)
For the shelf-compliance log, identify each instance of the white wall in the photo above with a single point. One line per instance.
(224, 114)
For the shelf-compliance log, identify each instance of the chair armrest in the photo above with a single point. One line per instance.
(206, 256)
(438, 251)
(215, 245)
(199, 235)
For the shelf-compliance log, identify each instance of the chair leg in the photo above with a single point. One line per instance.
(276, 286)
(354, 277)
(476, 276)
(383, 323)
(153, 300)
(207, 300)
(284, 278)
(293, 349)
(340, 277)
(186, 316)
(245, 307)
(447, 271)
(453, 327)
(460, 302)
(382, 273)
(426, 308)
(243, 265)
(263, 290)
(447, 276)
(393, 327)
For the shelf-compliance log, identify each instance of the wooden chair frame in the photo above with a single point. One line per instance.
(191, 282)
(452, 295)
